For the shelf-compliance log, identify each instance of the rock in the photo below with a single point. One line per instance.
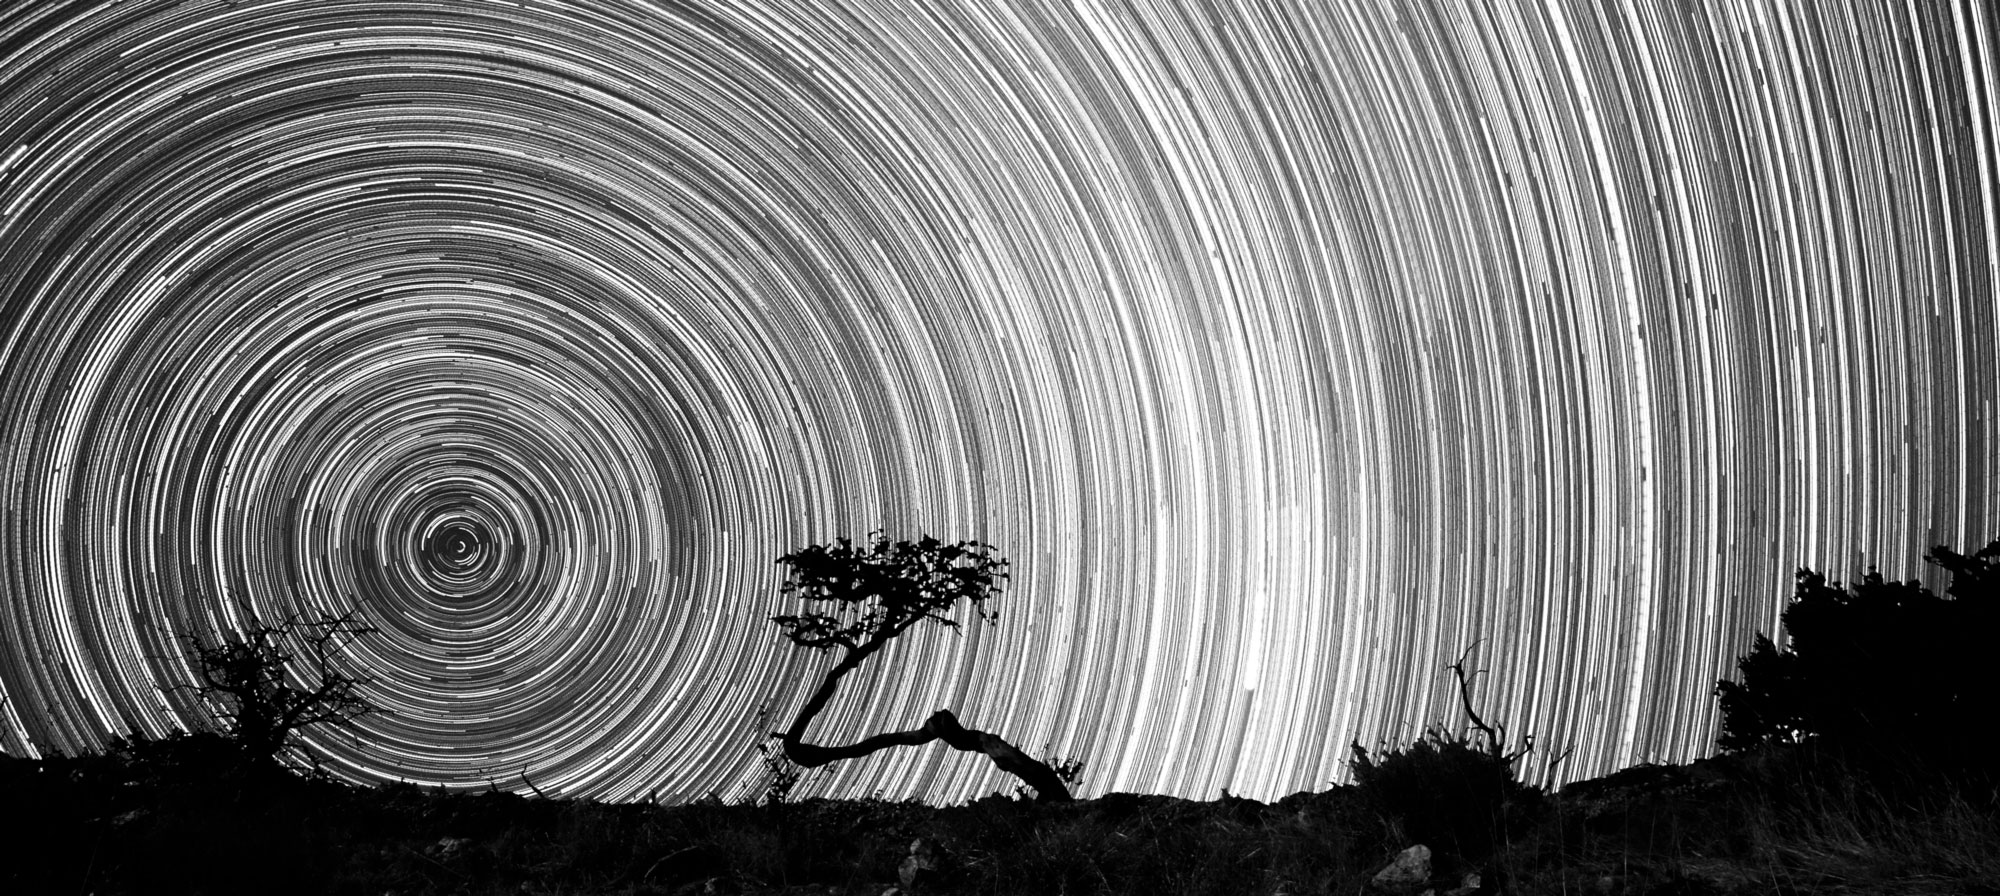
(923, 868)
(1242, 809)
(710, 887)
(1407, 874)
(1466, 886)
(448, 847)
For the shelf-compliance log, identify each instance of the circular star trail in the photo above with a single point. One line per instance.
(1287, 349)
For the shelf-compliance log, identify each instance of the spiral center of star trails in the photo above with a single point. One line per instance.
(460, 554)
(456, 545)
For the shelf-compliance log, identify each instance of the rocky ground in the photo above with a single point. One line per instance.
(1746, 825)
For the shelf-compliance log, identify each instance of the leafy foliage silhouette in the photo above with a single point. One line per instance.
(861, 597)
(1884, 670)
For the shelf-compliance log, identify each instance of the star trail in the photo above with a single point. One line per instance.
(1286, 349)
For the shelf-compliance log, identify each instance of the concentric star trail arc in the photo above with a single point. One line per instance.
(1288, 350)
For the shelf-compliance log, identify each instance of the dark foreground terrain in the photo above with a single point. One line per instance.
(178, 816)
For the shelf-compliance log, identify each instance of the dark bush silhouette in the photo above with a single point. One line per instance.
(866, 596)
(1879, 670)
(268, 682)
(176, 759)
(1453, 791)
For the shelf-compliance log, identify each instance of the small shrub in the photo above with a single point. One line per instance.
(1068, 770)
(1448, 792)
(781, 776)
(1457, 793)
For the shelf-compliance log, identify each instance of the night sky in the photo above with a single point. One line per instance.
(1287, 349)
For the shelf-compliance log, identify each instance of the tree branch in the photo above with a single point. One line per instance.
(1495, 743)
(1465, 698)
(944, 726)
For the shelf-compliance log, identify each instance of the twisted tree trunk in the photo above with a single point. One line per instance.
(942, 725)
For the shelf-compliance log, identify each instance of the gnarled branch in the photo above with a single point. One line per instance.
(944, 726)
(1495, 739)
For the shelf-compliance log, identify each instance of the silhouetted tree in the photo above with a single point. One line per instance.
(1880, 668)
(865, 596)
(271, 680)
